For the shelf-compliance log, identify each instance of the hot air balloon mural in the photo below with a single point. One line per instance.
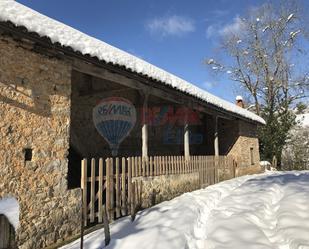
(114, 119)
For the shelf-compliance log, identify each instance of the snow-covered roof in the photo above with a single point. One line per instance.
(67, 36)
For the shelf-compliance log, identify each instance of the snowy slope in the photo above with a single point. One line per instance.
(78, 41)
(262, 211)
(10, 208)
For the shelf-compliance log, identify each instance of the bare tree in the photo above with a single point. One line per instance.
(264, 55)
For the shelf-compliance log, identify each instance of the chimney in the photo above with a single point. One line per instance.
(239, 101)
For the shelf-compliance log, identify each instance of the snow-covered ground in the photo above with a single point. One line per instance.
(261, 211)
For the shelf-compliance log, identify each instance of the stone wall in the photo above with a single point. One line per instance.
(167, 187)
(246, 147)
(35, 116)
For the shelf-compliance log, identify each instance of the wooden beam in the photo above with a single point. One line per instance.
(216, 136)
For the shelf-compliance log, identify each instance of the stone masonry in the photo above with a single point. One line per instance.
(246, 147)
(35, 110)
(35, 115)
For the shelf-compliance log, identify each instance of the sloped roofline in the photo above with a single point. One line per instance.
(57, 32)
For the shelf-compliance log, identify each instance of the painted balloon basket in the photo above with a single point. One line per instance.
(114, 119)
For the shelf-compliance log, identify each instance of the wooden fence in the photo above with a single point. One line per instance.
(115, 185)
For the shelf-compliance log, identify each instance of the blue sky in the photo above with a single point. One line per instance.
(174, 35)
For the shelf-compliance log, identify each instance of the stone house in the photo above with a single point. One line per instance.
(53, 78)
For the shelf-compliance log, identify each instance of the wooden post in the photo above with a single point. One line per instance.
(106, 226)
(112, 211)
(92, 190)
(139, 166)
(108, 186)
(81, 223)
(145, 127)
(186, 141)
(216, 136)
(123, 188)
(117, 187)
(129, 184)
(84, 181)
(147, 165)
(144, 166)
(100, 199)
(151, 166)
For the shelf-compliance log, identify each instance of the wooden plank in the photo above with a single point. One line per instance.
(139, 166)
(133, 198)
(112, 206)
(108, 187)
(154, 165)
(147, 165)
(144, 166)
(136, 166)
(84, 188)
(150, 166)
(129, 203)
(123, 188)
(92, 190)
(133, 166)
(117, 187)
(100, 199)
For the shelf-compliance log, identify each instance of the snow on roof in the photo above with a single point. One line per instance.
(21, 15)
(10, 208)
(238, 97)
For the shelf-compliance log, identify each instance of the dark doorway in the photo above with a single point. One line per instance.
(74, 169)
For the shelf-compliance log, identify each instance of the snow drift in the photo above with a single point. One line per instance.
(261, 211)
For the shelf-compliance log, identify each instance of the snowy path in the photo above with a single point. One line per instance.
(270, 212)
(264, 211)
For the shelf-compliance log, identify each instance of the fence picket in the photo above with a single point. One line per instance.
(151, 166)
(123, 188)
(92, 190)
(129, 203)
(123, 192)
(117, 188)
(108, 186)
(100, 197)
(84, 180)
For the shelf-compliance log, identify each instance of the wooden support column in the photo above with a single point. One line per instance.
(186, 141)
(186, 138)
(216, 136)
(145, 127)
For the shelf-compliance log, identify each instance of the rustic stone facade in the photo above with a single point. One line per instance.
(39, 120)
(246, 147)
(35, 117)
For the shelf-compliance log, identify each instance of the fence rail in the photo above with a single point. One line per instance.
(115, 185)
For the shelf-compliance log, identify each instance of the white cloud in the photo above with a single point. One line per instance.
(220, 12)
(172, 25)
(212, 30)
(208, 85)
(232, 28)
(219, 29)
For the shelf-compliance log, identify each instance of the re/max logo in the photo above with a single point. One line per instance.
(114, 109)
